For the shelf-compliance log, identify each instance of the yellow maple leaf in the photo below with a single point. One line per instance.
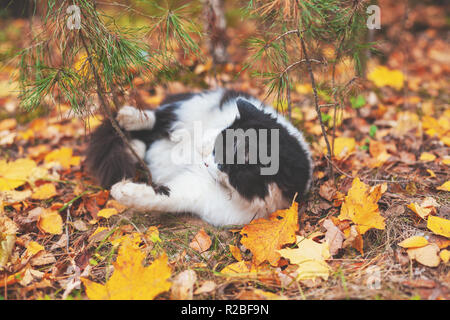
(264, 237)
(50, 221)
(131, 280)
(64, 157)
(45, 191)
(15, 173)
(360, 206)
(310, 257)
(439, 226)
(382, 76)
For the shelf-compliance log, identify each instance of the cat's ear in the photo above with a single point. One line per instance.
(246, 109)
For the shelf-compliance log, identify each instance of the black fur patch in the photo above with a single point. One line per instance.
(230, 95)
(170, 99)
(106, 157)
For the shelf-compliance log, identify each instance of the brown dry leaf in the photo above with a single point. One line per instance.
(42, 258)
(201, 241)
(206, 287)
(264, 237)
(379, 153)
(8, 230)
(333, 236)
(130, 279)
(44, 192)
(427, 255)
(327, 190)
(183, 285)
(50, 221)
(360, 206)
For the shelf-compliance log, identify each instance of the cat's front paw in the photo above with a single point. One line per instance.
(131, 118)
(132, 194)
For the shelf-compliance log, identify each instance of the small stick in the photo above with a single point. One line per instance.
(316, 103)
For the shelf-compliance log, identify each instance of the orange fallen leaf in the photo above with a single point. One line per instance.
(45, 191)
(444, 255)
(107, 213)
(50, 221)
(439, 226)
(419, 210)
(343, 146)
(201, 241)
(33, 247)
(15, 173)
(427, 157)
(239, 268)
(236, 253)
(445, 186)
(414, 242)
(264, 237)
(130, 279)
(64, 157)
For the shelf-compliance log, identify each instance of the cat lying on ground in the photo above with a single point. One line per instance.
(222, 155)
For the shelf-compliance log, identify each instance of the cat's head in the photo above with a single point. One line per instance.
(247, 152)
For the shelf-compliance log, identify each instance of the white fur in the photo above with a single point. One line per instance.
(197, 187)
(131, 118)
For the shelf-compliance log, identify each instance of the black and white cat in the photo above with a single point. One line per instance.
(180, 142)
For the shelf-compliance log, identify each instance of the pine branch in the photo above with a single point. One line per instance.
(107, 111)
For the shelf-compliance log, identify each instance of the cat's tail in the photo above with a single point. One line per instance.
(107, 157)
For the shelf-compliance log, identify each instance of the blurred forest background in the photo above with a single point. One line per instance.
(373, 102)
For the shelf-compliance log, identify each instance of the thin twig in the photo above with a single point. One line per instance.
(316, 102)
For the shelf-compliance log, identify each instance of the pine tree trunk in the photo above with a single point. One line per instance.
(215, 26)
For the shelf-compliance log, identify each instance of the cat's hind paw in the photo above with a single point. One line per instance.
(132, 194)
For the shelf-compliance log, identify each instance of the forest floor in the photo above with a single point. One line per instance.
(380, 231)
